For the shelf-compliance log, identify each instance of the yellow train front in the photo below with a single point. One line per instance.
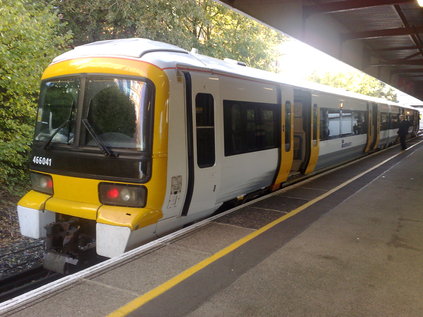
(93, 156)
(135, 138)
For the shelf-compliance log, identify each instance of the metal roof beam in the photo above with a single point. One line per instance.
(399, 48)
(412, 56)
(382, 33)
(407, 70)
(399, 62)
(415, 37)
(340, 6)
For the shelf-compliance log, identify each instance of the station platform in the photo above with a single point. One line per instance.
(347, 243)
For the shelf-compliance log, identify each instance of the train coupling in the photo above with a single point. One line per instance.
(67, 243)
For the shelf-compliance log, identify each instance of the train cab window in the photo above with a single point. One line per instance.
(56, 116)
(204, 116)
(117, 112)
(287, 126)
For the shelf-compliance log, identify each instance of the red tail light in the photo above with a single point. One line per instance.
(122, 195)
(42, 183)
(112, 193)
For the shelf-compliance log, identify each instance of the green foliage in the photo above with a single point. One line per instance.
(356, 82)
(226, 33)
(32, 32)
(28, 40)
(204, 24)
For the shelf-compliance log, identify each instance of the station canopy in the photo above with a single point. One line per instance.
(383, 38)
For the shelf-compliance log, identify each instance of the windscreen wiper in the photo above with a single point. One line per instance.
(54, 133)
(99, 142)
(59, 128)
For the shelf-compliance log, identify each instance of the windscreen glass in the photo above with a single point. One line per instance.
(57, 111)
(116, 109)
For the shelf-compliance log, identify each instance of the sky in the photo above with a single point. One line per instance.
(299, 60)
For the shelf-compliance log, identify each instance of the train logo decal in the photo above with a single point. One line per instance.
(345, 144)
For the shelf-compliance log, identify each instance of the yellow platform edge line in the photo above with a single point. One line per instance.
(157, 291)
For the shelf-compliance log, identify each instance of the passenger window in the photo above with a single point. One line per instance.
(346, 123)
(266, 135)
(204, 110)
(359, 122)
(250, 126)
(324, 124)
(341, 123)
(394, 120)
(334, 126)
(384, 121)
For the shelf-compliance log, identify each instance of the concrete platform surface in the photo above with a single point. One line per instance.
(363, 258)
(357, 252)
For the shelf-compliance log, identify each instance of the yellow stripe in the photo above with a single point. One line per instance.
(145, 298)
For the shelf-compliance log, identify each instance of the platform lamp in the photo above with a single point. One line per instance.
(420, 2)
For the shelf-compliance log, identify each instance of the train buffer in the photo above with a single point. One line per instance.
(348, 243)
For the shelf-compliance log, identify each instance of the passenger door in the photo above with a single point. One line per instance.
(373, 128)
(204, 177)
(285, 95)
(306, 133)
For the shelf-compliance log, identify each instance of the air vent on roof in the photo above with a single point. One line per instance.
(234, 62)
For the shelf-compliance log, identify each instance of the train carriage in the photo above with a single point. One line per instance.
(135, 138)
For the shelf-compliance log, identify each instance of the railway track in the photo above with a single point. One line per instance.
(37, 276)
(23, 282)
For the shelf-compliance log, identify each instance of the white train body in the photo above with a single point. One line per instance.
(219, 132)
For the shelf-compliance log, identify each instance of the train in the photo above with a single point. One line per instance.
(135, 138)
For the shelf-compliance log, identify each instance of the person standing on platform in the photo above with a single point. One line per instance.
(403, 131)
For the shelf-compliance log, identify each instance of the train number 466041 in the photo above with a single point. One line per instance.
(40, 160)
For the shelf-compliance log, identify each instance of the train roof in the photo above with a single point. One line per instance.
(131, 48)
(168, 56)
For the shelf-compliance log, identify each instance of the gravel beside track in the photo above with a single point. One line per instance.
(17, 253)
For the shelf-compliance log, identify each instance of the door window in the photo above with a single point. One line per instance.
(204, 115)
(287, 126)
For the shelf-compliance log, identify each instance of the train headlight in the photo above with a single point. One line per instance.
(42, 183)
(126, 194)
(122, 195)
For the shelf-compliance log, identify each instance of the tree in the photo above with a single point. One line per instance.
(356, 82)
(204, 24)
(226, 33)
(29, 39)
